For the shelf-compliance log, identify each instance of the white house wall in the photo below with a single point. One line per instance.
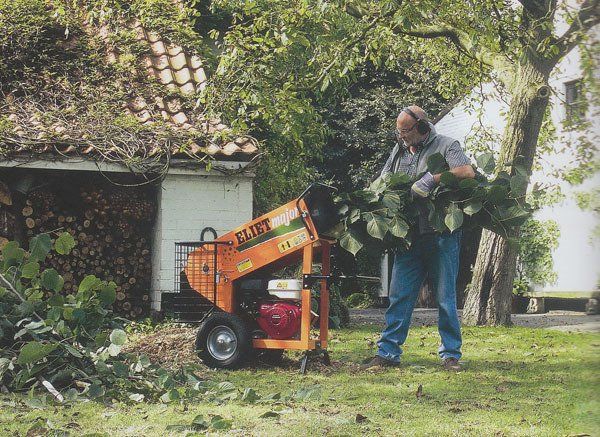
(186, 205)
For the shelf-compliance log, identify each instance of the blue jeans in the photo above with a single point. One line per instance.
(437, 256)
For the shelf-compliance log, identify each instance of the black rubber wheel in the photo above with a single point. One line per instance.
(223, 341)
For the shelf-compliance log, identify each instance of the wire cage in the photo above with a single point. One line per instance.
(191, 304)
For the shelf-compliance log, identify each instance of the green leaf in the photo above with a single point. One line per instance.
(12, 253)
(64, 243)
(120, 369)
(377, 226)
(72, 350)
(249, 395)
(199, 423)
(136, 397)
(221, 424)
(392, 200)
(306, 393)
(436, 163)
(268, 414)
(396, 179)
(454, 218)
(39, 247)
(114, 350)
(449, 179)
(354, 215)
(342, 210)
(350, 243)
(100, 338)
(95, 391)
(107, 294)
(170, 396)
(118, 337)
(366, 196)
(468, 183)
(486, 162)
(56, 300)
(90, 282)
(497, 194)
(51, 280)
(30, 270)
(513, 216)
(398, 227)
(518, 185)
(473, 207)
(34, 351)
(378, 185)
(54, 314)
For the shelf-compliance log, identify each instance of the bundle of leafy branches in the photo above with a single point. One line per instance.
(385, 215)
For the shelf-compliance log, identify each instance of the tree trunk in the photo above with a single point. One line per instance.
(489, 295)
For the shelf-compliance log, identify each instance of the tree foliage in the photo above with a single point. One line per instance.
(281, 71)
(535, 265)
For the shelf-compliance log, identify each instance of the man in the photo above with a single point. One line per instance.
(431, 253)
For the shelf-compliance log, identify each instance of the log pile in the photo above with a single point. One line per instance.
(112, 228)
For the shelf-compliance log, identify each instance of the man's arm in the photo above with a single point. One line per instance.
(460, 167)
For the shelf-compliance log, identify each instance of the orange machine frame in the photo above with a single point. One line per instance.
(269, 242)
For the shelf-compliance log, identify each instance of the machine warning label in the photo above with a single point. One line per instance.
(244, 265)
(296, 240)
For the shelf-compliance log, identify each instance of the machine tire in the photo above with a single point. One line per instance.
(215, 337)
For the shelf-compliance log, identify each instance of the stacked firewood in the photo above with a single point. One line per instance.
(111, 226)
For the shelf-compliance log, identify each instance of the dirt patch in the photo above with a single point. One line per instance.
(171, 346)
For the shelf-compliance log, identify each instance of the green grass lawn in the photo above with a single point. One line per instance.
(516, 381)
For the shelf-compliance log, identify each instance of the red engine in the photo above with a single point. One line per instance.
(280, 319)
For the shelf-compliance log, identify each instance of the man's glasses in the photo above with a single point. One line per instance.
(405, 131)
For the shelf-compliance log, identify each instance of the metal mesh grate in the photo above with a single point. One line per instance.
(195, 262)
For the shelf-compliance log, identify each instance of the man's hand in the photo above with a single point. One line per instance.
(423, 186)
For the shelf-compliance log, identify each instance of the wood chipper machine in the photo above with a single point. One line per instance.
(247, 310)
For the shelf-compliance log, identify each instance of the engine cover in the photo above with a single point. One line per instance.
(279, 319)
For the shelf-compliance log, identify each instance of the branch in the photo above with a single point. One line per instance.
(587, 17)
(462, 40)
(7, 284)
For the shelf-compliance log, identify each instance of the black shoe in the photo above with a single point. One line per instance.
(452, 365)
(378, 361)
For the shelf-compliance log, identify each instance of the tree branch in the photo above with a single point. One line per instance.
(587, 17)
(462, 40)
